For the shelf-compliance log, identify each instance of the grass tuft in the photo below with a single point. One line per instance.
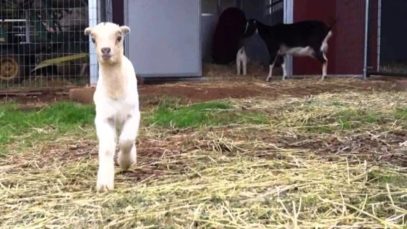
(31, 125)
(214, 113)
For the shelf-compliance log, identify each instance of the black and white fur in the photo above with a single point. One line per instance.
(306, 38)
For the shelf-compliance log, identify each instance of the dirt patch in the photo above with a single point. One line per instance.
(215, 89)
(211, 88)
(388, 147)
(150, 153)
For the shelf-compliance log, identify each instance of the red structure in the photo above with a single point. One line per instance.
(346, 47)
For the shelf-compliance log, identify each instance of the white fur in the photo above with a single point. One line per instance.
(241, 61)
(117, 104)
(296, 51)
(284, 67)
(270, 75)
(324, 45)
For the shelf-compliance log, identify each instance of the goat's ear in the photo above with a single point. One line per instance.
(125, 29)
(87, 31)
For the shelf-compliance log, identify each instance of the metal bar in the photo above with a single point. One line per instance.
(12, 20)
(379, 34)
(126, 22)
(289, 18)
(27, 27)
(93, 67)
(366, 46)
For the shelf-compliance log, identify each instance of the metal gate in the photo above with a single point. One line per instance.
(42, 43)
(387, 46)
(166, 39)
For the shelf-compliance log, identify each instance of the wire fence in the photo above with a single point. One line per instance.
(42, 43)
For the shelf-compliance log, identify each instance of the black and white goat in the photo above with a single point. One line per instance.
(306, 38)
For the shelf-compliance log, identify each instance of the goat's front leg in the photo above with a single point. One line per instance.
(127, 141)
(106, 134)
(270, 75)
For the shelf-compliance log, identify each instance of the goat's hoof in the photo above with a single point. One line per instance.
(104, 186)
(124, 166)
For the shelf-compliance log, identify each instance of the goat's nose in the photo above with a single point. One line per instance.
(105, 50)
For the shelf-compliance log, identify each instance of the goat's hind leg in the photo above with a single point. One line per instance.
(273, 58)
(280, 62)
(321, 57)
(127, 142)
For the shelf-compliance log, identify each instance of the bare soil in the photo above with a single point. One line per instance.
(219, 82)
(244, 88)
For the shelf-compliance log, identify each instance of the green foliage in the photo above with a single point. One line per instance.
(17, 124)
(401, 113)
(214, 113)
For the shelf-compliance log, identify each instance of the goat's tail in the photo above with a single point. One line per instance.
(332, 23)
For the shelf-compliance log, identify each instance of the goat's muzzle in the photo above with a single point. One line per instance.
(106, 53)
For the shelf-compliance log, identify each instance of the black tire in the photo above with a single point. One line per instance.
(13, 69)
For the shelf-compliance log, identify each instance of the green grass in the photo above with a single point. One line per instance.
(321, 116)
(350, 118)
(387, 177)
(214, 113)
(49, 122)
(17, 124)
(401, 113)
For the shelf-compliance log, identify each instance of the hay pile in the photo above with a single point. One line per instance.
(274, 175)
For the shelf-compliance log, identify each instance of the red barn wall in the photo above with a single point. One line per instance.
(350, 36)
(346, 47)
(322, 10)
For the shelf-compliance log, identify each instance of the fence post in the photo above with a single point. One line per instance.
(366, 45)
(93, 19)
(289, 18)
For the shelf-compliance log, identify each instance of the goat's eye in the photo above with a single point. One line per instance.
(119, 39)
(93, 40)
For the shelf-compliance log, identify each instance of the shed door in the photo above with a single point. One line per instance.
(165, 37)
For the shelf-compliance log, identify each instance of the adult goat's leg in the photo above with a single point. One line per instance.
(321, 57)
(238, 67)
(127, 142)
(244, 64)
(280, 61)
(106, 133)
(324, 67)
(273, 57)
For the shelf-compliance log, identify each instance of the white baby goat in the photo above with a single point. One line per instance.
(117, 102)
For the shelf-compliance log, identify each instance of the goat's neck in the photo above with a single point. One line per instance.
(113, 79)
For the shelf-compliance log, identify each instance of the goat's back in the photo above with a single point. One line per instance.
(302, 33)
